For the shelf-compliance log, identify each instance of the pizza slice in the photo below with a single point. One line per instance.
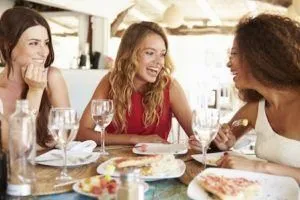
(225, 188)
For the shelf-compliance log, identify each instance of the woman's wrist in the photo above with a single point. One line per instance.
(36, 89)
(261, 166)
(133, 139)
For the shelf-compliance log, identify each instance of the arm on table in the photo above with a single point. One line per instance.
(242, 163)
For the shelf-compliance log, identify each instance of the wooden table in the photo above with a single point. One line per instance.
(163, 189)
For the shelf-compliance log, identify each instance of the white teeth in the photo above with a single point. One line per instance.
(152, 72)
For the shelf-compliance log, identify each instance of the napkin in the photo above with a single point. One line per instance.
(86, 146)
(77, 152)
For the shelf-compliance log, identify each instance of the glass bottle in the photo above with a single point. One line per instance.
(22, 152)
(130, 187)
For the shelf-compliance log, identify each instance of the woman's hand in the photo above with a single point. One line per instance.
(194, 143)
(237, 162)
(35, 76)
(225, 139)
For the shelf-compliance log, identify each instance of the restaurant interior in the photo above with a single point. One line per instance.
(86, 35)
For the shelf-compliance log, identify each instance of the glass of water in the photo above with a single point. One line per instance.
(102, 111)
(205, 124)
(63, 125)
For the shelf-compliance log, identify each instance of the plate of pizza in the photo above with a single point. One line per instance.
(212, 158)
(150, 167)
(223, 184)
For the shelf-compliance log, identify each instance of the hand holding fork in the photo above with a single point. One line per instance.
(225, 138)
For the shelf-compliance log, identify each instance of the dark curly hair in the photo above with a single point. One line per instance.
(270, 46)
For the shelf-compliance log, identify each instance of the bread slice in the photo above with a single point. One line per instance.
(229, 188)
(136, 161)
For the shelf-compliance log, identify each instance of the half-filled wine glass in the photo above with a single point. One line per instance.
(205, 124)
(63, 125)
(102, 111)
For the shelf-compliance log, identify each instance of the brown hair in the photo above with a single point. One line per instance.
(269, 45)
(125, 69)
(13, 23)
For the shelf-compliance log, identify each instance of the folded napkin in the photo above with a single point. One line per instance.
(77, 152)
(86, 146)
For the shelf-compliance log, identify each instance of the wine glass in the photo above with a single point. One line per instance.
(102, 113)
(205, 124)
(63, 124)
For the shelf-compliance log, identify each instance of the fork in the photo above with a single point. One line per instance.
(240, 122)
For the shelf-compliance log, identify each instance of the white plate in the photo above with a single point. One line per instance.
(211, 158)
(159, 148)
(77, 189)
(272, 187)
(55, 158)
(169, 174)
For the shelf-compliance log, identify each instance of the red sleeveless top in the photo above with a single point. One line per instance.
(135, 123)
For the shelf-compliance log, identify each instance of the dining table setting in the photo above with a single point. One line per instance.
(173, 186)
(179, 182)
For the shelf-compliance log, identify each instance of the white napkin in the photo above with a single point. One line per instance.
(86, 146)
(77, 146)
(77, 152)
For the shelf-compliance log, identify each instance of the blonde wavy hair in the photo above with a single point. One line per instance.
(124, 71)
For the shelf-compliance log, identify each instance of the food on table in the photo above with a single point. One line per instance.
(225, 188)
(245, 122)
(98, 185)
(136, 161)
(212, 161)
(148, 165)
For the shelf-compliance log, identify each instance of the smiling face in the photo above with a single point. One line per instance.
(151, 60)
(242, 76)
(32, 47)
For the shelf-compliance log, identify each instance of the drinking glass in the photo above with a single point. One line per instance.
(102, 113)
(63, 124)
(205, 124)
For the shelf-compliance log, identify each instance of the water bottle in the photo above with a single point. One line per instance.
(22, 152)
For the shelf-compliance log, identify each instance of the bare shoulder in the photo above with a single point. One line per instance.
(103, 87)
(174, 85)
(104, 82)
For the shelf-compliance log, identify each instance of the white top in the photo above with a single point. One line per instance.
(272, 146)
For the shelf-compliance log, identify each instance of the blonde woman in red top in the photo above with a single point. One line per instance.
(144, 94)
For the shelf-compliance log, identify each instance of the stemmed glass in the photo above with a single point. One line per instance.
(205, 124)
(102, 113)
(63, 124)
